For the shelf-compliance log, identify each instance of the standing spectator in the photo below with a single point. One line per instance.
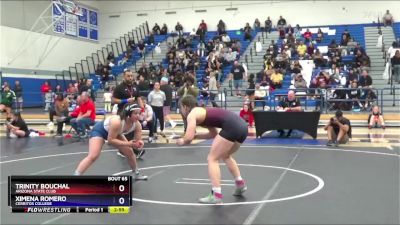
(141, 48)
(143, 86)
(188, 88)
(58, 91)
(281, 22)
(179, 29)
(17, 127)
(72, 91)
(147, 119)
(221, 27)
(320, 36)
(387, 19)
(164, 29)
(338, 130)
(238, 74)
(18, 95)
(156, 29)
(268, 25)
(151, 39)
(247, 115)
(156, 100)
(60, 110)
(7, 97)
(5, 83)
(256, 25)
(105, 76)
(396, 66)
(213, 88)
(376, 118)
(44, 89)
(86, 116)
(107, 99)
(203, 25)
(49, 100)
(167, 89)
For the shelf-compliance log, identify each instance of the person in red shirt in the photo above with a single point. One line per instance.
(86, 116)
(44, 89)
(307, 35)
(247, 114)
(322, 80)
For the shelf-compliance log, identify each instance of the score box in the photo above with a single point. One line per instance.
(69, 191)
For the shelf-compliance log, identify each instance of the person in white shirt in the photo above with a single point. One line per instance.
(226, 39)
(146, 119)
(230, 56)
(388, 19)
(107, 99)
(156, 100)
(259, 94)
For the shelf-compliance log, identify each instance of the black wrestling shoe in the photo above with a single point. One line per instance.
(139, 153)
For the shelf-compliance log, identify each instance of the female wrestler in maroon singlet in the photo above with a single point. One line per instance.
(226, 142)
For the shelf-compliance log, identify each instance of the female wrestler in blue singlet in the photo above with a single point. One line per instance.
(113, 129)
(226, 142)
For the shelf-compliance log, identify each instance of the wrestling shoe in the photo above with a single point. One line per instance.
(212, 198)
(139, 153)
(240, 188)
(138, 176)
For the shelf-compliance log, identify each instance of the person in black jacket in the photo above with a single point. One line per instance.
(395, 65)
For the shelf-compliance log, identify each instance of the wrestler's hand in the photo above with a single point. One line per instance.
(139, 144)
(180, 141)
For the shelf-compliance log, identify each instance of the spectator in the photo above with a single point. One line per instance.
(5, 83)
(289, 104)
(147, 119)
(281, 22)
(318, 59)
(289, 30)
(247, 115)
(307, 35)
(71, 115)
(387, 19)
(86, 116)
(256, 25)
(396, 66)
(281, 32)
(105, 76)
(238, 74)
(365, 80)
(301, 49)
(213, 88)
(277, 79)
(230, 56)
(355, 94)
(141, 48)
(247, 32)
(376, 118)
(58, 91)
(188, 88)
(107, 99)
(268, 25)
(60, 110)
(7, 98)
(299, 82)
(156, 101)
(250, 90)
(49, 100)
(164, 30)
(179, 29)
(156, 29)
(44, 89)
(168, 90)
(338, 130)
(297, 32)
(17, 127)
(18, 95)
(203, 25)
(322, 80)
(320, 36)
(221, 28)
(226, 39)
(259, 94)
(123, 60)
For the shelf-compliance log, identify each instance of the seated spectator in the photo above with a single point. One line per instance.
(338, 130)
(281, 32)
(310, 50)
(156, 29)
(318, 59)
(297, 32)
(247, 32)
(289, 104)
(226, 39)
(307, 35)
(230, 56)
(7, 98)
(141, 48)
(365, 80)
(110, 56)
(86, 116)
(268, 25)
(301, 49)
(320, 36)
(247, 115)
(322, 80)
(164, 29)
(260, 93)
(17, 126)
(354, 94)
(387, 19)
(105, 76)
(276, 79)
(368, 99)
(300, 82)
(192, 33)
(396, 67)
(71, 115)
(281, 22)
(123, 60)
(376, 118)
(289, 30)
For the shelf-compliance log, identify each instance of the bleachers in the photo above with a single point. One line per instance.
(396, 30)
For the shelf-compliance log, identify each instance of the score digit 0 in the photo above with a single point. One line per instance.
(121, 188)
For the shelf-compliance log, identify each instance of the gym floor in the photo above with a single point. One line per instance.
(290, 181)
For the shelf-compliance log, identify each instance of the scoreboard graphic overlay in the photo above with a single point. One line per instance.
(70, 194)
